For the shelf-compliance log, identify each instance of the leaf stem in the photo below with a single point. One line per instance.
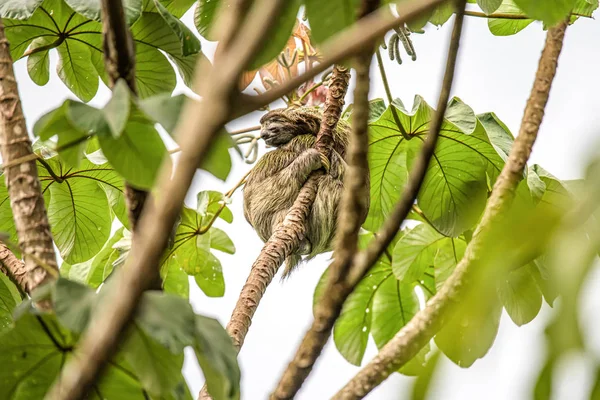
(388, 93)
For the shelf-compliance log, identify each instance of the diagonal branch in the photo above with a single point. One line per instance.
(427, 322)
(347, 272)
(24, 189)
(285, 240)
(12, 267)
(199, 126)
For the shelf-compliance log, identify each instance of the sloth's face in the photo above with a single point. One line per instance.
(276, 130)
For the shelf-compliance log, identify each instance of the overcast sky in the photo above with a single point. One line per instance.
(493, 74)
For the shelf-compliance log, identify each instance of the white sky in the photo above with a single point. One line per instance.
(493, 74)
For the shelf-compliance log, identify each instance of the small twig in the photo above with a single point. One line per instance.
(309, 91)
(388, 93)
(245, 130)
(427, 322)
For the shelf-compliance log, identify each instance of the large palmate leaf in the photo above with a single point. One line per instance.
(72, 29)
(379, 305)
(95, 270)
(33, 353)
(421, 249)
(506, 27)
(78, 208)
(191, 251)
(454, 190)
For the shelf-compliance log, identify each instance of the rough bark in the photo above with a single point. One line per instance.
(427, 322)
(24, 189)
(352, 210)
(12, 267)
(200, 123)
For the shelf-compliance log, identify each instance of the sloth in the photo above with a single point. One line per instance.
(274, 183)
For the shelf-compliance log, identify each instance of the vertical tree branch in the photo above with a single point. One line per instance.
(24, 189)
(119, 62)
(353, 208)
(427, 322)
(199, 126)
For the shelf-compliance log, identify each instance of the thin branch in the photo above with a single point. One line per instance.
(388, 93)
(12, 267)
(479, 14)
(427, 322)
(353, 209)
(347, 43)
(24, 189)
(198, 128)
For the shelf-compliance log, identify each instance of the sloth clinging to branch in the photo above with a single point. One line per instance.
(275, 182)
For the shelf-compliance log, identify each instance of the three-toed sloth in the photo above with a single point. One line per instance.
(275, 181)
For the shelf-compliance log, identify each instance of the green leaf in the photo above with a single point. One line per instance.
(507, 27)
(470, 334)
(461, 115)
(9, 298)
(18, 9)
(498, 133)
(118, 108)
(329, 18)
(38, 63)
(394, 304)
(210, 201)
(421, 248)
(210, 278)
(163, 109)
(220, 241)
(454, 190)
(520, 295)
(189, 43)
(279, 34)
(78, 208)
(177, 7)
(442, 14)
(80, 218)
(92, 9)
(78, 41)
(424, 380)
(158, 369)
(543, 385)
(550, 12)
(73, 304)
(218, 159)
(35, 350)
(76, 69)
(205, 16)
(217, 358)
(175, 280)
(489, 6)
(138, 153)
(95, 271)
(351, 330)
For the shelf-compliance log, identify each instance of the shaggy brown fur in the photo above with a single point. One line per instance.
(276, 180)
